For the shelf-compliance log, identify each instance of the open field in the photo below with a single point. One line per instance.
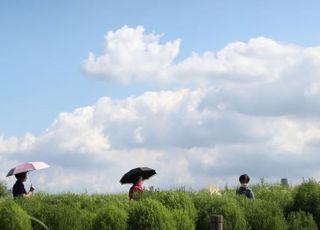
(275, 207)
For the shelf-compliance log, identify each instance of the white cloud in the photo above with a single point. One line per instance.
(250, 107)
(131, 55)
(77, 132)
(13, 144)
(188, 140)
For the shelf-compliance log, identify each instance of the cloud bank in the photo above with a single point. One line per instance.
(131, 55)
(250, 107)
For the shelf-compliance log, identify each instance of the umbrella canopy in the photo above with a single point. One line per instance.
(131, 176)
(27, 167)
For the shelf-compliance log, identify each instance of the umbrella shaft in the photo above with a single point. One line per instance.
(29, 178)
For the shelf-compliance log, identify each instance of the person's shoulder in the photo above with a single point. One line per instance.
(241, 189)
(17, 184)
(18, 189)
(244, 190)
(250, 189)
(252, 194)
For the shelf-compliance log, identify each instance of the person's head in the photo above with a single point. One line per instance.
(244, 179)
(139, 179)
(21, 176)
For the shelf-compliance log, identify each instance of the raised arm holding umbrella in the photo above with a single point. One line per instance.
(135, 177)
(20, 173)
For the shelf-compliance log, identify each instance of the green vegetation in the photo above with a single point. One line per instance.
(262, 214)
(301, 220)
(275, 207)
(12, 217)
(3, 189)
(149, 214)
(111, 217)
(307, 198)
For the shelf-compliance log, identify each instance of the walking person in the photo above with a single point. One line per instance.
(18, 189)
(136, 187)
(244, 189)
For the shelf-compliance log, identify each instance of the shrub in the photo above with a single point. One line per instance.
(176, 209)
(172, 200)
(83, 205)
(263, 215)
(12, 217)
(282, 196)
(111, 218)
(148, 214)
(301, 220)
(208, 205)
(98, 201)
(307, 198)
(63, 217)
(182, 220)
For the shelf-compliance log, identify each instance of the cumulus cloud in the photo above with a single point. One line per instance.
(13, 144)
(250, 107)
(131, 55)
(178, 132)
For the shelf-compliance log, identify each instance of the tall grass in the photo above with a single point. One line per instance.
(275, 207)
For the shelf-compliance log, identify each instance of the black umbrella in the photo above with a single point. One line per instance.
(131, 176)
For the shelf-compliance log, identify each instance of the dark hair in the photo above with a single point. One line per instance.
(244, 178)
(21, 176)
(138, 178)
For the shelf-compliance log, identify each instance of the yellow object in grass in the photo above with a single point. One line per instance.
(214, 190)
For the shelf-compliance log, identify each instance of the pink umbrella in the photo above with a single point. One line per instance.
(27, 167)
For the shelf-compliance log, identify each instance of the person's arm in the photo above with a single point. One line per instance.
(29, 194)
(137, 189)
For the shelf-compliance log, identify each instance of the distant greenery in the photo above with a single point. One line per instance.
(275, 207)
(3, 189)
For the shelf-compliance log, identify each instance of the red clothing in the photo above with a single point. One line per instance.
(135, 188)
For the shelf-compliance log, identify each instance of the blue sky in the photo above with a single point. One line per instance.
(43, 44)
(202, 91)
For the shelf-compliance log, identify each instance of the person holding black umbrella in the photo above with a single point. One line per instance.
(136, 176)
(136, 187)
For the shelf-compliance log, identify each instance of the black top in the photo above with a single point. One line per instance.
(246, 192)
(18, 189)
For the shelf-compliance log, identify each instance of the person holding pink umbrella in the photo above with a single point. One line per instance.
(18, 188)
(20, 173)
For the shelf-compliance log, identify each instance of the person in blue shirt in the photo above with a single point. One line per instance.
(244, 190)
(18, 188)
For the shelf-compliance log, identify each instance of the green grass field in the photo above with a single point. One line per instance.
(275, 207)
